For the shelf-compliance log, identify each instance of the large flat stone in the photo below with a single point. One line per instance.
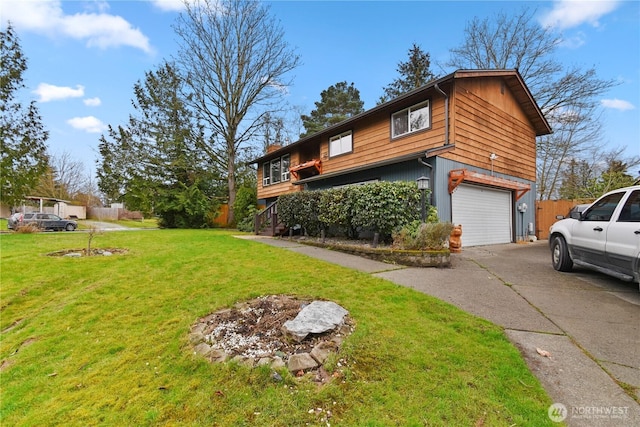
(315, 318)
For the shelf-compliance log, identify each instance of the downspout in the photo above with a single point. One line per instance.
(446, 114)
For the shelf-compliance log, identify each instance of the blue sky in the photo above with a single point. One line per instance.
(85, 56)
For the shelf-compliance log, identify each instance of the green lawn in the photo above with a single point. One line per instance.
(104, 340)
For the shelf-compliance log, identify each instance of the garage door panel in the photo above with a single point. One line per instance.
(485, 214)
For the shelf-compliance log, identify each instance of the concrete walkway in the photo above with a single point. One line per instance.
(590, 324)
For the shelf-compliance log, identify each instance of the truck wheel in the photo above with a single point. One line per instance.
(70, 227)
(560, 257)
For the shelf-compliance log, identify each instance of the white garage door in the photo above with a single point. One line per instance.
(485, 214)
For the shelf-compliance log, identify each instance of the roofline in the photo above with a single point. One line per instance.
(449, 77)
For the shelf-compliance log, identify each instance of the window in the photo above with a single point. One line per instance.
(340, 144)
(285, 167)
(631, 209)
(266, 174)
(603, 210)
(410, 120)
(275, 171)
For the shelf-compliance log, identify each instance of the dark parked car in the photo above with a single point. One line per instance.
(43, 221)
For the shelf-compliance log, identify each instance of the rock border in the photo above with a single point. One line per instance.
(278, 351)
(435, 258)
(81, 253)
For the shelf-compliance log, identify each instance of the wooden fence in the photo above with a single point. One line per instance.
(547, 210)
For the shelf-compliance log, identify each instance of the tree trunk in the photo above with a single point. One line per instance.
(231, 180)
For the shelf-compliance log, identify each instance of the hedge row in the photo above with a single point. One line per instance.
(380, 207)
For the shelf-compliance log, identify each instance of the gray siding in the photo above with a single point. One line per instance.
(439, 175)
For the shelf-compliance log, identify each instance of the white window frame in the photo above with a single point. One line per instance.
(341, 144)
(276, 175)
(268, 178)
(284, 171)
(410, 113)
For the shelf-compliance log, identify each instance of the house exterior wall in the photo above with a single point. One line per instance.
(372, 140)
(486, 118)
(274, 190)
(442, 198)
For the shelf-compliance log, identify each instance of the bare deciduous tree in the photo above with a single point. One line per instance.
(234, 58)
(64, 179)
(567, 97)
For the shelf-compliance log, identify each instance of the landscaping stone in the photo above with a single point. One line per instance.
(315, 318)
(217, 355)
(301, 362)
(252, 334)
(202, 348)
(278, 363)
(321, 351)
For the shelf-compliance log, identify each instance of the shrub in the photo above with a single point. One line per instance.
(248, 222)
(418, 236)
(378, 207)
(301, 208)
(27, 228)
(384, 206)
(245, 205)
(336, 211)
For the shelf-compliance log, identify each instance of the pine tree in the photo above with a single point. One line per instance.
(23, 158)
(413, 74)
(337, 103)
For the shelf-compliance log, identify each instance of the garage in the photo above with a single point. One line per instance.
(485, 214)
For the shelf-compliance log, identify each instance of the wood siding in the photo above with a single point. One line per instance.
(487, 119)
(372, 141)
(274, 190)
(484, 117)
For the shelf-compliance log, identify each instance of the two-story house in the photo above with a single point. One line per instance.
(472, 133)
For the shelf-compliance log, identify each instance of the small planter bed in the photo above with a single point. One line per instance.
(383, 253)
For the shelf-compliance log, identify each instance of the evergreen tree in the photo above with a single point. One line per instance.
(337, 103)
(413, 74)
(23, 158)
(153, 165)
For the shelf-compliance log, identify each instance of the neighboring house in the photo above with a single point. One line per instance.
(472, 132)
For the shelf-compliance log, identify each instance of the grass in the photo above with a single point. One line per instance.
(145, 223)
(104, 340)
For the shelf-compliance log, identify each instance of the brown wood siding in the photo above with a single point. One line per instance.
(488, 120)
(372, 141)
(275, 190)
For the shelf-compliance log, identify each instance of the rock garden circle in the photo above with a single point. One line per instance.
(279, 331)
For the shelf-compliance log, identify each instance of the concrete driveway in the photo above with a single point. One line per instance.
(588, 323)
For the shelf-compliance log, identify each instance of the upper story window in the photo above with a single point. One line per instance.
(340, 144)
(412, 119)
(275, 171)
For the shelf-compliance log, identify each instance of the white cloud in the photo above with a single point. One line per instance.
(617, 104)
(575, 41)
(573, 13)
(169, 5)
(92, 102)
(48, 92)
(88, 124)
(97, 29)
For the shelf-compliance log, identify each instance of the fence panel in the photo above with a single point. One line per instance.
(547, 210)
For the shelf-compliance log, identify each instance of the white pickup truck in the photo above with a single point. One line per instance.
(604, 237)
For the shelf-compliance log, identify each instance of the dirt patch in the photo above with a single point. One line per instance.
(251, 332)
(94, 252)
